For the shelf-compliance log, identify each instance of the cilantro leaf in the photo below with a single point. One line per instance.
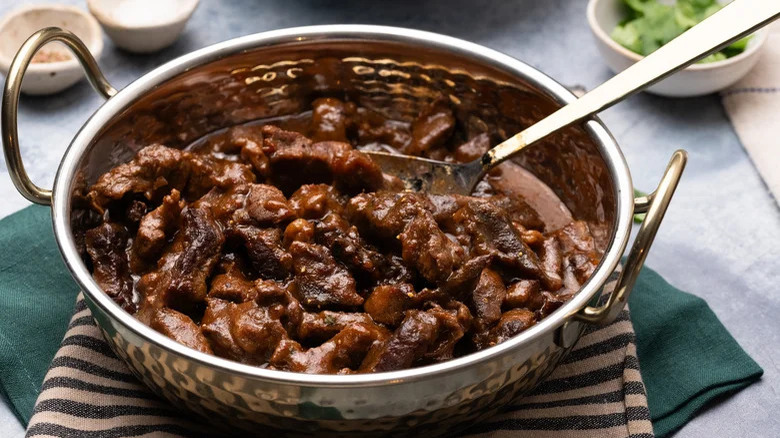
(736, 47)
(694, 11)
(717, 56)
(650, 24)
(637, 5)
(628, 37)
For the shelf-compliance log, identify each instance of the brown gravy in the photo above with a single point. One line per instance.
(279, 244)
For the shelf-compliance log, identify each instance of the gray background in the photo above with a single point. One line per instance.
(720, 239)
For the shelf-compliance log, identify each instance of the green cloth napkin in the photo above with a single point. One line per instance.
(37, 295)
(686, 356)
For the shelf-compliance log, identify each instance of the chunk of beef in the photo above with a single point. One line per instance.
(464, 279)
(252, 152)
(511, 324)
(384, 215)
(244, 141)
(375, 129)
(425, 246)
(355, 171)
(263, 248)
(224, 203)
(410, 342)
(348, 247)
(231, 284)
(343, 353)
(299, 230)
(194, 253)
(180, 279)
(107, 247)
(519, 211)
(231, 141)
(487, 298)
(431, 129)
(579, 254)
(368, 211)
(522, 294)
(319, 280)
(444, 206)
(295, 161)
(257, 330)
(492, 232)
(314, 201)
(276, 139)
(552, 262)
(135, 211)
(532, 238)
(243, 332)
(155, 229)
(453, 321)
(576, 237)
(215, 326)
(264, 206)
(386, 303)
(577, 268)
(208, 172)
(546, 303)
(321, 326)
(154, 167)
(269, 292)
(395, 271)
(331, 119)
(472, 149)
(180, 328)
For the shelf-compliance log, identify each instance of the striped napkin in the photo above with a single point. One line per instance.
(753, 105)
(596, 392)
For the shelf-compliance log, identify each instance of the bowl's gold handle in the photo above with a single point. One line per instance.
(13, 85)
(654, 205)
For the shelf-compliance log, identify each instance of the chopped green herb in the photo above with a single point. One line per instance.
(329, 320)
(650, 24)
(639, 217)
(717, 56)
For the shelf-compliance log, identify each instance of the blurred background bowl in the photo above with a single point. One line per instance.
(54, 68)
(695, 80)
(142, 26)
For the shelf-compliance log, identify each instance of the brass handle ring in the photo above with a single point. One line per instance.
(654, 205)
(13, 86)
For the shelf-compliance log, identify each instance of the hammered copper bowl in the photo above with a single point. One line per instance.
(395, 71)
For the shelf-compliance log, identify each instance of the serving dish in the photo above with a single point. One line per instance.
(393, 70)
(61, 71)
(694, 80)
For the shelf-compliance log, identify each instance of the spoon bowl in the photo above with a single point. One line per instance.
(418, 174)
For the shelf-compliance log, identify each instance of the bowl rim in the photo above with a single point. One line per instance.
(597, 28)
(65, 181)
(94, 43)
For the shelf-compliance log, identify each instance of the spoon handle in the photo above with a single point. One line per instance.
(734, 21)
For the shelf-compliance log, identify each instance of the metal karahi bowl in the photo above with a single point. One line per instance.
(395, 71)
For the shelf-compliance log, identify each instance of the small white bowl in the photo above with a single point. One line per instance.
(142, 26)
(48, 77)
(694, 80)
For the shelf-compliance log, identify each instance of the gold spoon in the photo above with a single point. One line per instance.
(736, 20)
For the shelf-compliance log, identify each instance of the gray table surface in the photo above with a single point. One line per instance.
(719, 239)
